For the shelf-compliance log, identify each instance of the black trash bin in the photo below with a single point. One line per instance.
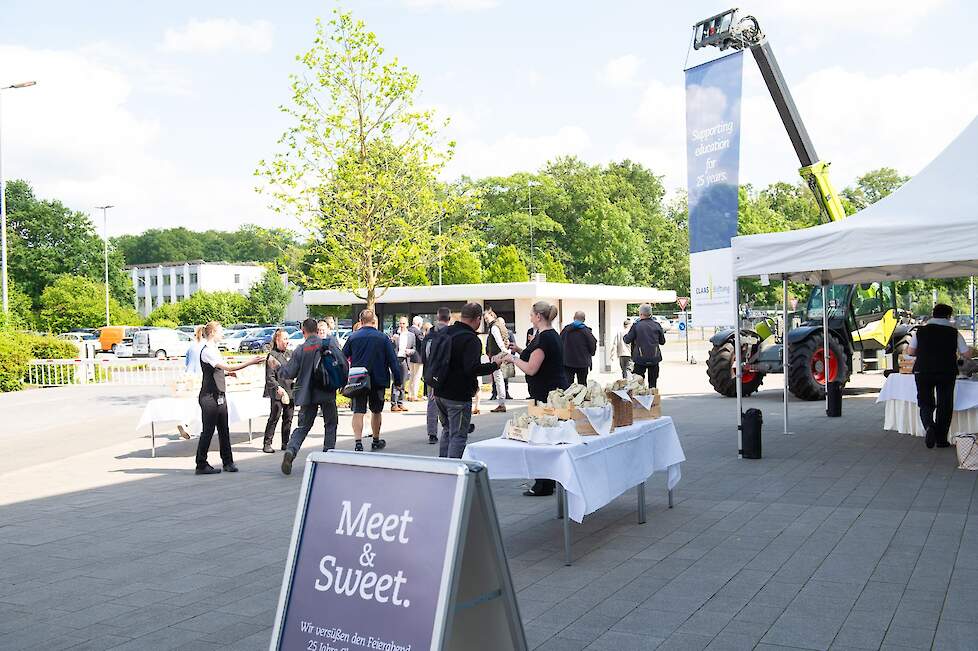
(834, 408)
(752, 420)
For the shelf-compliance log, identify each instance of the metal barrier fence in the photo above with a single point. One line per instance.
(125, 372)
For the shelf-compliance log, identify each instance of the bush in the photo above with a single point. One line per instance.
(46, 347)
(226, 307)
(164, 315)
(14, 358)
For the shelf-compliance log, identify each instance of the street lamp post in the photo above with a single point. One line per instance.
(3, 202)
(105, 234)
(529, 203)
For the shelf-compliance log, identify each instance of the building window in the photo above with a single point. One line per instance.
(193, 278)
(179, 279)
(166, 279)
(153, 280)
(237, 279)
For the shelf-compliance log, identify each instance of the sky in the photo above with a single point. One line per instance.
(164, 109)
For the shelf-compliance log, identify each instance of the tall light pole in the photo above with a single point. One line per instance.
(105, 233)
(3, 201)
(529, 203)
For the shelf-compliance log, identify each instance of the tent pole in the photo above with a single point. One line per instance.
(784, 349)
(826, 350)
(738, 363)
(972, 294)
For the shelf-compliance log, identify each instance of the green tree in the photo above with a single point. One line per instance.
(506, 266)
(21, 316)
(46, 239)
(79, 302)
(460, 265)
(362, 158)
(164, 315)
(226, 307)
(551, 267)
(873, 186)
(247, 244)
(268, 298)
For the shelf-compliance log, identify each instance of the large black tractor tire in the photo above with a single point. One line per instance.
(720, 369)
(802, 381)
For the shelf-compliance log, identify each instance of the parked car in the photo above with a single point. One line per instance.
(161, 343)
(123, 349)
(232, 340)
(295, 340)
(189, 329)
(963, 321)
(78, 336)
(665, 322)
(110, 337)
(259, 340)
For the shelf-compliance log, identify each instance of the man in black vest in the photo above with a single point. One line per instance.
(936, 347)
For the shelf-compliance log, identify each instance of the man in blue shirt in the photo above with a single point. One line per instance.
(372, 349)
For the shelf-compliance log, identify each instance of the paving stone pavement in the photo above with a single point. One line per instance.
(842, 537)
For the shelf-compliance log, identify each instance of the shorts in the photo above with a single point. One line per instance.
(373, 399)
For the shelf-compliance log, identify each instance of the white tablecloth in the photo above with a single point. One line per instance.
(595, 472)
(242, 406)
(899, 393)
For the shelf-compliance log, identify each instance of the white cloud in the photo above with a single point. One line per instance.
(856, 121)
(515, 152)
(875, 16)
(218, 34)
(75, 137)
(451, 5)
(621, 71)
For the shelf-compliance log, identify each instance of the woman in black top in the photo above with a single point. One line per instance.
(213, 402)
(278, 390)
(543, 363)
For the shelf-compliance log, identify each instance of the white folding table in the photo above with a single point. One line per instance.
(901, 414)
(242, 406)
(593, 473)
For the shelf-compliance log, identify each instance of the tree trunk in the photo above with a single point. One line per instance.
(371, 298)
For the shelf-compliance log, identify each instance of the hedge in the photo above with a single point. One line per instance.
(17, 349)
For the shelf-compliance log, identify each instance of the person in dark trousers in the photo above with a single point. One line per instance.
(372, 349)
(443, 320)
(309, 395)
(543, 363)
(278, 391)
(213, 401)
(579, 348)
(936, 346)
(645, 336)
(465, 367)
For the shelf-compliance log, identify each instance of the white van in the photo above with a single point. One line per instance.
(160, 343)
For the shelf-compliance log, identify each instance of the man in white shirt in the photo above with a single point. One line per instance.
(936, 347)
(405, 345)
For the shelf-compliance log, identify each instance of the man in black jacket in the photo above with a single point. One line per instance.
(310, 396)
(431, 409)
(645, 337)
(579, 348)
(454, 398)
(936, 346)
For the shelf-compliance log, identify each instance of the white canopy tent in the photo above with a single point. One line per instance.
(926, 229)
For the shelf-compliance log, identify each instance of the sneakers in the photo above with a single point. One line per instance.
(358, 446)
(287, 462)
(432, 439)
(501, 409)
(230, 467)
(377, 444)
(268, 449)
(207, 470)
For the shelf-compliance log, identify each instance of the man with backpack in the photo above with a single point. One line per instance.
(453, 367)
(319, 369)
(444, 319)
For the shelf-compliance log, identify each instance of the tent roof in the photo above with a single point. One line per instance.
(926, 229)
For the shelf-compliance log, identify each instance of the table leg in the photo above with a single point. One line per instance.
(567, 533)
(152, 429)
(670, 498)
(641, 503)
(560, 502)
(249, 430)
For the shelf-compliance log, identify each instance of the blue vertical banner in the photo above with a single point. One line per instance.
(713, 92)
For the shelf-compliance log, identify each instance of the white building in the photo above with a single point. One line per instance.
(156, 284)
(604, 305)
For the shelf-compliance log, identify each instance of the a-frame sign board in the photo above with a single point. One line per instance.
(396, 553)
